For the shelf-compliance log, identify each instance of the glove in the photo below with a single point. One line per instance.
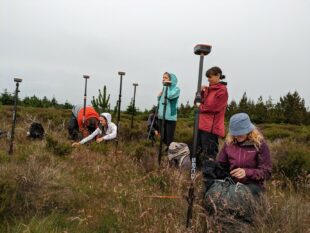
(197, 99)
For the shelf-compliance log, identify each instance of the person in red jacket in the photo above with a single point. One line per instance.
(77, 125)
(211, 115)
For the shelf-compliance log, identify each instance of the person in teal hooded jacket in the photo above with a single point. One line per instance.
(169, 81)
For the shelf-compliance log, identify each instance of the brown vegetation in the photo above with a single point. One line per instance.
(47, 187)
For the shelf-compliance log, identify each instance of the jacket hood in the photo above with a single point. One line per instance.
(107, 116)
(174, 79)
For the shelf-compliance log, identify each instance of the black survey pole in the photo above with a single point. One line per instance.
(153, 121)
(119, 99)
(85, 95)
(162, 126)
(133, 104)
(201, 50)
(17, 80)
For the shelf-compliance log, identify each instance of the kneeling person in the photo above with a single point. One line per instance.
(82, 124)
(106, 130)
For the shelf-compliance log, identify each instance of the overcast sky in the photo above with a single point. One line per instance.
(263, 47)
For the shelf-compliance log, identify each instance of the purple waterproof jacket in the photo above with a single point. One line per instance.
(256, 163)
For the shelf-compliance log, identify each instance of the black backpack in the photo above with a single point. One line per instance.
(225, 198)
(36, 131)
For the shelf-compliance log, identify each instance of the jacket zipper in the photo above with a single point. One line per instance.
(243, 157)
(213, 114)
(239, 157)
(213, 123)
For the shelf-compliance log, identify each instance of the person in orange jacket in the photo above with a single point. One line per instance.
(76, 124)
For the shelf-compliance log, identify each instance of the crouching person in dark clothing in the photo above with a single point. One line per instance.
(152, 126)
(77, 126)
(235, 197)
(246, 154)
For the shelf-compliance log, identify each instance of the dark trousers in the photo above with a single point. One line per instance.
(255, 189)
(169, 129)
(73, 128)
(208, 147)
(152, 133)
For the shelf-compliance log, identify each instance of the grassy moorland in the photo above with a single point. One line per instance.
(47, 186)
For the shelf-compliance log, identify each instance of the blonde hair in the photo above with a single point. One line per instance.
(254, 136)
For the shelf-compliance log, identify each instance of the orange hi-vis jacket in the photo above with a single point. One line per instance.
(89, 113)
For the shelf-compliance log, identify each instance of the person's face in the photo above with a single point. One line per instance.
(214, 79)
(103, 121)
(166, 78)
(241, 138)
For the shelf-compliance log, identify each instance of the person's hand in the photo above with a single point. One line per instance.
(238, 173)
(197, 100)
(98, 140)
(204, 88)
(167, 82)
(156, 133)
(160, 93)
(75, 144)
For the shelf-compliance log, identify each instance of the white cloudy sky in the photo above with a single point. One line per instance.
(262, 46)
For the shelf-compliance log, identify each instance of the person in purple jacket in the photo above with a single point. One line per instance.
(246, 154)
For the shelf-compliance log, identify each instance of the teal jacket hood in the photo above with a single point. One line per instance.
(174, 79)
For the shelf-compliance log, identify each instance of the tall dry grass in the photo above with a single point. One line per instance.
(101, 188)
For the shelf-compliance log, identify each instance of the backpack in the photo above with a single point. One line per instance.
(179, 155)
(223, 197)
(227, 199)
(36, 130)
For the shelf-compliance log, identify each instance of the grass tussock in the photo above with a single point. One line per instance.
(57, 147)
(291, 160)
(33, 188)
(283, 210)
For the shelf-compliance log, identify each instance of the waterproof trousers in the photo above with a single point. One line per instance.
(169, 129)
(208, 147)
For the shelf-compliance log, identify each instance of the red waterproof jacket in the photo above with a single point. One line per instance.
(213, 108)
(89, 112)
